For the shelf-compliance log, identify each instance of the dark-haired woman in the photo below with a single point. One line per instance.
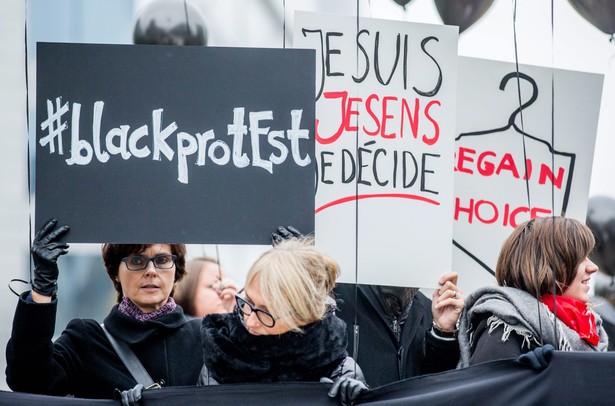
(82, 361)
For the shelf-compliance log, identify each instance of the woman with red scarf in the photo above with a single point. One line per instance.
(543, 273)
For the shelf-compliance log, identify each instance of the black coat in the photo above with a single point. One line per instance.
(382, 359)
(82, 362)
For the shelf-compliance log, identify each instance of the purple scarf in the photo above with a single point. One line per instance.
(128, 308)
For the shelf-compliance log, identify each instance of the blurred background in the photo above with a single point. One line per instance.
(575, 41)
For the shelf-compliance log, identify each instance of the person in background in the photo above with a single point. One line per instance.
(542, 298)
(81, 361)
(601, 220)
(414, 335)
(603, 303)
(284, 327)
(203, 290)
(401, 333)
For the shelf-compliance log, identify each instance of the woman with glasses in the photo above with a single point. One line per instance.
(82, 361)
(284, 327)
(203, 290)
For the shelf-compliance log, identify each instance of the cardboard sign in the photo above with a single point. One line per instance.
(385, 102)
(511, 164)
(174, 144)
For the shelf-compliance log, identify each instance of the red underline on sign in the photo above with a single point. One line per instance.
(376, 195)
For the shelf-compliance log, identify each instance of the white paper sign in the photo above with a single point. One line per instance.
(509, 164)
(385, 108)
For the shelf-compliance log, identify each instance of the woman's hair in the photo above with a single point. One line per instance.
(295, 281)
(543, 254)
(185, 291)
(113, 253)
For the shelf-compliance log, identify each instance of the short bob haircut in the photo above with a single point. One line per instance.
(113, 253)
(185, 291)
(543, 254)
(295, 281)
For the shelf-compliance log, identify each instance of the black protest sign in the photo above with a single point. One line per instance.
(143, 144)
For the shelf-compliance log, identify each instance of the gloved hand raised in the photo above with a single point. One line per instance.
(45, 253)
(348, 389)
(284, 233)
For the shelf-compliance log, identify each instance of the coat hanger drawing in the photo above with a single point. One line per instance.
(520, 130)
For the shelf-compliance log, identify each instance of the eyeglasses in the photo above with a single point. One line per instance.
(139, 262)
(217, 286)
(245, 308)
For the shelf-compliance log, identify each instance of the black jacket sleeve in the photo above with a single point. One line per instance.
(29, 352)
(440, 354)
(80, 362)
(490, 346)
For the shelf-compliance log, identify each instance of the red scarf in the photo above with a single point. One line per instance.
(575, 314)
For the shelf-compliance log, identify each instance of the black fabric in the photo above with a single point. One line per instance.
(380, 356)
(233, 355)
(82, 362)
(131, 361)
(572, 378)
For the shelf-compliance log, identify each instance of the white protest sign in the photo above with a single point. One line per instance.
(385, 110)
(509, 164)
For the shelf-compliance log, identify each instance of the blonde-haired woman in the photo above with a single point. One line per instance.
(543, 272)
(284, 327)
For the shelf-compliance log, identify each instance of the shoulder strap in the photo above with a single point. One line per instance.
(130, 360)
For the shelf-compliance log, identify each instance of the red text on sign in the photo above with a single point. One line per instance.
(381, 113)
(488, 212)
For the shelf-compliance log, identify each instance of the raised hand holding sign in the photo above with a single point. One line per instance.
(46, 249)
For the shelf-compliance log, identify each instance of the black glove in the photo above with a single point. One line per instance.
(284, 233)
(348, 389)
(539, 358)
(45, 252)
(131, 397)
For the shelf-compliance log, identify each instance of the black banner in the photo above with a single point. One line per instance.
(572, 378)
(161, 144)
